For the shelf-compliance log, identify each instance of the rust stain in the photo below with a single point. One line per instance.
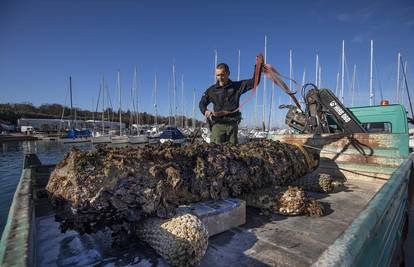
(341, 140)
(361, 159)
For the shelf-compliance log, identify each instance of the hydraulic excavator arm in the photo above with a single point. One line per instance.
(324, 113)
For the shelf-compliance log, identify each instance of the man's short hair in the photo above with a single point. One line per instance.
(223, 66)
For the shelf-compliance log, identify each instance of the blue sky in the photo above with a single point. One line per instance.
(43, 42)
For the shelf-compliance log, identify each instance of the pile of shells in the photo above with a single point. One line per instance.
(318, 182)
(120, 187)
(289, 201)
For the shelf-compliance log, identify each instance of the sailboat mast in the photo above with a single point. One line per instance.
(320, 76)
(174, 93)
(303, 76)
(271, 107)
(290, 72)
(256, 119)
(93, 112)
(155, 100)
(103, 105)
(406, 85)
(343, 71)
(317, 70)
(132, 106)
(255, 110)
(110, 112)
(264, 87)
(71, 102)
(371, 91)
(169, 103)
(182, 100)
(119, 95)
(337, 84)
(238, 66)
(135, 96)
(353, 85)
(398, 77)
(193, 122)
(215, 65)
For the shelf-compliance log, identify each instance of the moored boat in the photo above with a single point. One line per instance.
(138, 139)
(77, 136)
(101, 139)
(172, 134)
(119, 139)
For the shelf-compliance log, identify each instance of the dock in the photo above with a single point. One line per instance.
(17, 137)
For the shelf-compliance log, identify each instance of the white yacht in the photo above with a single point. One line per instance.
(99, 138)
(119, 139)
(138, 139)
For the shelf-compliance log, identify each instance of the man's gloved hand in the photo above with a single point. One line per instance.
(259, 59)
(208, 113)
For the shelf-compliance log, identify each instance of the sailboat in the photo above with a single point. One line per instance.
(74, 135)
(119, 139)
(154, 133)
(138, 138)
(101, 137)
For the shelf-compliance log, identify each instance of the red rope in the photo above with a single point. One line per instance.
(275, 77)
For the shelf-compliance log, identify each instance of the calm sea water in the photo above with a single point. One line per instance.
(11, 162)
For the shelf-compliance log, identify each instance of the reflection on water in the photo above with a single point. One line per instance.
(11, 162)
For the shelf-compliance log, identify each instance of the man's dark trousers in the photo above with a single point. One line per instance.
(225, 133)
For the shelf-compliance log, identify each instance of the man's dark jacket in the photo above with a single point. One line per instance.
(225, 98)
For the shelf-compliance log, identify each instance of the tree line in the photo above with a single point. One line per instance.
(11, 112)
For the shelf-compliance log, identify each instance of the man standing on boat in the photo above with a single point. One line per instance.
(225, 96)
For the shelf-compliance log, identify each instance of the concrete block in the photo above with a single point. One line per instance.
(219, 216)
